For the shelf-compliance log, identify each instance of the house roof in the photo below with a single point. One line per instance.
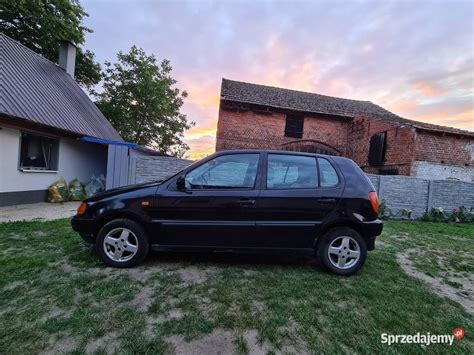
(308, 102)
(39, 91)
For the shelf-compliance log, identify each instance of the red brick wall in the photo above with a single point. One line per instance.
(445, 149)
(350, 137)
(400, 144)
(250, 129)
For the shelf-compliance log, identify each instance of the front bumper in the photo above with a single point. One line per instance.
(86, 227)
(371, 230)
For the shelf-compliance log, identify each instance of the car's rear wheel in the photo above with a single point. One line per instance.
(122, 243)
(342, 251)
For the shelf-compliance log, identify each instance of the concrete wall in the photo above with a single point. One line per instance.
(400, 192)
(76, 160)
(149, 168)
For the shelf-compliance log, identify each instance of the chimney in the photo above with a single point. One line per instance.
(67, 57)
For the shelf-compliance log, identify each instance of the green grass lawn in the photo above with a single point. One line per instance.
(56, 296)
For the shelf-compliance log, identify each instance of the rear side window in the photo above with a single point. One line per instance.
(291, 172)
(327, 173)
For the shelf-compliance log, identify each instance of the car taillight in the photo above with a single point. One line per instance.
(374, 201)
(81, 209)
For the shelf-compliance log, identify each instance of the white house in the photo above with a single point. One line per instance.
(43, 113)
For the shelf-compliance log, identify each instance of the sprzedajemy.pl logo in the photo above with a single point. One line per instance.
(419, 338)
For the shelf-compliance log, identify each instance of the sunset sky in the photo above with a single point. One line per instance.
(415, 58)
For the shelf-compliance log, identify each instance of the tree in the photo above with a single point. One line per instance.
(42, 24)
(139, 98)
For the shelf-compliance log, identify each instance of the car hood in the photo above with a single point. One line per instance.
(121, 190)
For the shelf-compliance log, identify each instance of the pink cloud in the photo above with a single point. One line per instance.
(419, 66)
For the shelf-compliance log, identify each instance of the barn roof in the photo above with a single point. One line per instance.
(38, 91)
(255, 94)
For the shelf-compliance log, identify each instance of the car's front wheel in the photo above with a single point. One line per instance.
(122, 243)
(342, 251)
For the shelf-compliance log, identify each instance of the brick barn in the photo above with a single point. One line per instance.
(258, 116)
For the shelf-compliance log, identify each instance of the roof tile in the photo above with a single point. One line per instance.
(248, 93)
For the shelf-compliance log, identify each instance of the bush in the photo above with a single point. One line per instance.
(462, 215)
(384, 211)
(458, 215)
(438, 214)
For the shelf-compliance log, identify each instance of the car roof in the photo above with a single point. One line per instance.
(289, 152)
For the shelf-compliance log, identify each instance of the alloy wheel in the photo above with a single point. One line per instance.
(120, 244)
(344, 252)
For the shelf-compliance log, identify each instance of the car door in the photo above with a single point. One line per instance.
(298, 193)
(216, 207)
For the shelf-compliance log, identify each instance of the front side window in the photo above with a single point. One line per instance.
(327, 173)
(38, 152)
(291, 172)
(231, 171)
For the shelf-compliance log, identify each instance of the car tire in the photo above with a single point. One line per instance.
(342, 251)
(122, 243)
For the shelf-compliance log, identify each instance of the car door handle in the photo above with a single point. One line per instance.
(246, 202)
(326, 200)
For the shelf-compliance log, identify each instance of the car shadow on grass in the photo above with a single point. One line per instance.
(232, 259)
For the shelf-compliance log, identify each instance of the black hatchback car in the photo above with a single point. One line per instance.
(244, 201)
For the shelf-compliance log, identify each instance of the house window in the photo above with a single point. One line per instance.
(38, 152)
(378, 146)
(294, 126)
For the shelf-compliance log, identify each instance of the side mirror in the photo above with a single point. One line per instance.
(181, 182)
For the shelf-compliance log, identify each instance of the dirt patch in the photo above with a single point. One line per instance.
(108, 344)
(250, 273)
(174, 314)
(380, 244)
(436, 285)
(68, 268)
(205, 304)
(401, 236)
(139, 273)
(56, 312)
(219, 342)
(15, 236)
(192, 275)
(254, 347)
(224, 342)
(261, 348)
(467, 285)
(40, 234)
(62, 346)
(259, 306)
(143, 299)
(12, 285)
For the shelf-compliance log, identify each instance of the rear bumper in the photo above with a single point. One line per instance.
(371, 230)
(86, 228)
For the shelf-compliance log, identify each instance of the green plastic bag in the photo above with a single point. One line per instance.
(94, 186)
(76, 191)
(58, 187)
